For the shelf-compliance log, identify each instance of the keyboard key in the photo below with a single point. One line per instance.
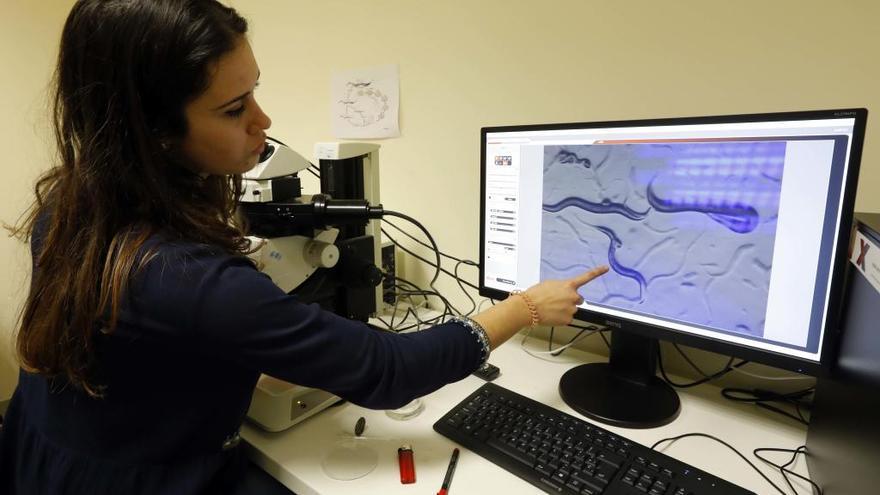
(544, 469)
(588, 481)
(575, 485)
(522, 457)
(611, 458)
(561, 476)
(605, 472)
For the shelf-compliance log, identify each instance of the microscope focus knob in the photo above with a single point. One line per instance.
(321, 254)
(371, 275)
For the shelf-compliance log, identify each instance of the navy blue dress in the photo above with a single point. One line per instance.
(196, 329)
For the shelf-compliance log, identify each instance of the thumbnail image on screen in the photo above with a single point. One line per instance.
(687, 228)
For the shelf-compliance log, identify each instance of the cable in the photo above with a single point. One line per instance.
(688, 359)
(422, 292)
(706, 378)
(418, 224)
(313, 173)
(401, 292)
(762, 398)
(453, 258)
(759, 397)
(774, 378)
(454, 275)
(783, 468)
(466, 293)
(480, 306)
(674, 439)
(558, 350)
(419, 322)
(461, 282)
(562, 349)
(429, 263)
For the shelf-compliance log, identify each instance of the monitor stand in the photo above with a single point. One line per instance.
(625, 391)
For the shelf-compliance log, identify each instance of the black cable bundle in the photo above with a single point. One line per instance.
(765, 398)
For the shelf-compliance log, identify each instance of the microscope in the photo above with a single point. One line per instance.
(322, 248)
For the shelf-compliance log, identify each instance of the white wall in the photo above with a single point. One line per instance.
(466, 64)
(29, 35)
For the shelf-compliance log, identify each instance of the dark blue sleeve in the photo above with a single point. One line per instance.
(231, 310)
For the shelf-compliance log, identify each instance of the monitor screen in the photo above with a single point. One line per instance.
(721, 231)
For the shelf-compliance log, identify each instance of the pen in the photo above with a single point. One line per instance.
(449, 471)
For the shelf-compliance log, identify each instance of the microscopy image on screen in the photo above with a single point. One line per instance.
(686, 228)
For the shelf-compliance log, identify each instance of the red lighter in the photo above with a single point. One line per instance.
(407, 465)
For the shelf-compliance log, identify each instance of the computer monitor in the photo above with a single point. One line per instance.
(727, 233)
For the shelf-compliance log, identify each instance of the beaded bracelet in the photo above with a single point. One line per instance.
(533, 311)
(479, 332)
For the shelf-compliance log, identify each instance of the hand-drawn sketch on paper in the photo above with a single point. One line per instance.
(366, 103)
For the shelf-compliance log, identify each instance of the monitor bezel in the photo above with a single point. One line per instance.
(771, 358)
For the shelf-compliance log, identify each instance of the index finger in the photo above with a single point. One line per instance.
(585, 277)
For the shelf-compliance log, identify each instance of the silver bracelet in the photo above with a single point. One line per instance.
(479, 332)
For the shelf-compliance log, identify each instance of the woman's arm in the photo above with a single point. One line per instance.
(555, 301)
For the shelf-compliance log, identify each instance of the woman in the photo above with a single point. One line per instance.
(146, 327)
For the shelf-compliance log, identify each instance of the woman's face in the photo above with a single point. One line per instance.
(226, 126)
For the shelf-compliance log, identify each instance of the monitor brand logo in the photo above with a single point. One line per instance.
(614, 324)
(841, 114)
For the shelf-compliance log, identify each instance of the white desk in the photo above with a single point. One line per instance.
(294, 456)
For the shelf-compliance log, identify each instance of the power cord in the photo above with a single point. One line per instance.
(704, 435)
(706, 378)
(764, 398)
(413, 289)
(775, 378)
(453, 258)
(390, 213)
(558, 351)
(783, 468)
(759, 397)
(584, 333)
(429, 263)
(416, 290)
(460, 286)
(484, 301)
(402, 288)
(437, 265)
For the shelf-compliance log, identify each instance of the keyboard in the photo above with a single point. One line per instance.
(560, 453)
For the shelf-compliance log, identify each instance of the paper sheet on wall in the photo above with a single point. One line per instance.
(866, 257)
(365, 103)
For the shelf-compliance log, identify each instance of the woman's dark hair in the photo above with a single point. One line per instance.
(126, 69)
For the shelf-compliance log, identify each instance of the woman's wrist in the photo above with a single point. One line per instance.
(532, 309)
